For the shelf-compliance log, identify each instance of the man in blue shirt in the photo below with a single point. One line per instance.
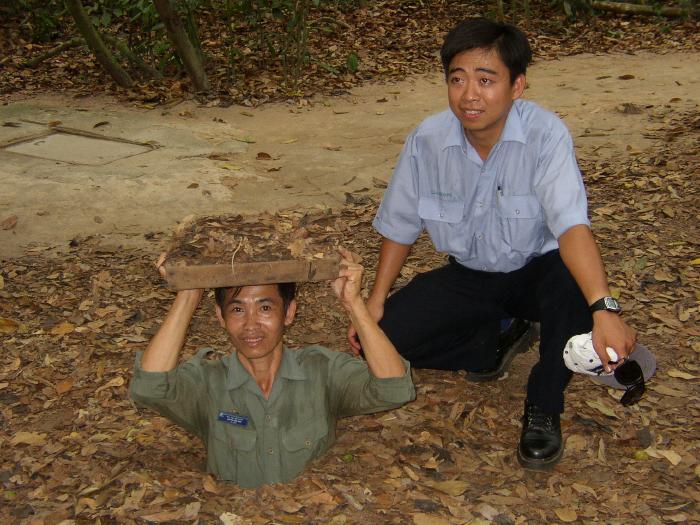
(495, 182)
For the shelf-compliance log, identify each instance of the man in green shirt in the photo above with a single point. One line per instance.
(265, 411)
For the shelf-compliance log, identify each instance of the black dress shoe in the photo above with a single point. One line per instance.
(516, 339)
(540, 446)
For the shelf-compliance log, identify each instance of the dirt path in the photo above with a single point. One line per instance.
(231, 160)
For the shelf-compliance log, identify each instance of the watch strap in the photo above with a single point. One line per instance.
(606, 303)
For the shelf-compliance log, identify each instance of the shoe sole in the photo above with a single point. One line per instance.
(521, 346)
(540, 464)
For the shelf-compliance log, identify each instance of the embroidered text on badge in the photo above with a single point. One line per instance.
(233, 419)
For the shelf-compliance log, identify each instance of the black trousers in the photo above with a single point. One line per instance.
(448, 319)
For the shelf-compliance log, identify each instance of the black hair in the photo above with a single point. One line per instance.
(481, 33)
(287, 292)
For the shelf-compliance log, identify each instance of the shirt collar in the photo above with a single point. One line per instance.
(238, 375)
(512, 131)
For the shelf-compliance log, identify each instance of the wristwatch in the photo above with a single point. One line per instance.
(606, 303)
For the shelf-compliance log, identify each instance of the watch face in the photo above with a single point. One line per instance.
(611, 304)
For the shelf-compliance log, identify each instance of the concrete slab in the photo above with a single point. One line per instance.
(76, 149)
(15, 130)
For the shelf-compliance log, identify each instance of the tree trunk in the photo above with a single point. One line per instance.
(178, 37)
(97, 45)
(635, 9)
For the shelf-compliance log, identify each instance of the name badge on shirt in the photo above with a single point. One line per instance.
(233, 419)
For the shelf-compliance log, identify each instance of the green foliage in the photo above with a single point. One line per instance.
(352, 62)
(288, 45)
(41, 18)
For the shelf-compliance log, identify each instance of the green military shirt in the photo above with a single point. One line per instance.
(252, 440)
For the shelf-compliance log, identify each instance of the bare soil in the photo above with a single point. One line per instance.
(246, 160)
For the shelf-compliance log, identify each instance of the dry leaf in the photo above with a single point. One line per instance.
(192, 510)
(410, 473)
(229, 518)
(62, 329)
(602, 407)
(117, 381)
(263, 156)
(566, 515)
(576, 443)
(663, 276)
(166, 516)
(583, 489)
(15, 364)
(421, 518)
(674, 372)
(28, 438)
(8, 326)
(487, 511)
(673, 457)
(453, 487)
(210, 485)
(289, 506)
(9, 223)
(64, 386)
(668, 391)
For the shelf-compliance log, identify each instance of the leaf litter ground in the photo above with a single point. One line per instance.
(392, 39)
(73, 447)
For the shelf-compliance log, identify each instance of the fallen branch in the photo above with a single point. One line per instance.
(73, 42)
(646, 10)
(330, 20)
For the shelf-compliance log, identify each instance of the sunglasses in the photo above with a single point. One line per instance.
(630, 375)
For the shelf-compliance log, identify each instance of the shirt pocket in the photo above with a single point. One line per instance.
(301, 444)
(231, 454)
(432, 209)
(521, 219)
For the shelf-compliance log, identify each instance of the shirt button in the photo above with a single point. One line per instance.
(479, 204)
(480, 236)
(442, 215)
(307, 443)
(517, 212)
(268, 418)
(270, 451)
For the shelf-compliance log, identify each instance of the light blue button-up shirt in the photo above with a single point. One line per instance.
(495, 215)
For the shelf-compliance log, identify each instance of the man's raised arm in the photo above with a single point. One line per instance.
(381, 355)
(163, 351)
(392, 256)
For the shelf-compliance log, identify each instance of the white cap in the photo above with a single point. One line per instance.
(581, 357)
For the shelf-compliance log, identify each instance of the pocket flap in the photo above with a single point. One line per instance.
(433, 209)
(237, 438)
(304, 436)
(519, 207)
